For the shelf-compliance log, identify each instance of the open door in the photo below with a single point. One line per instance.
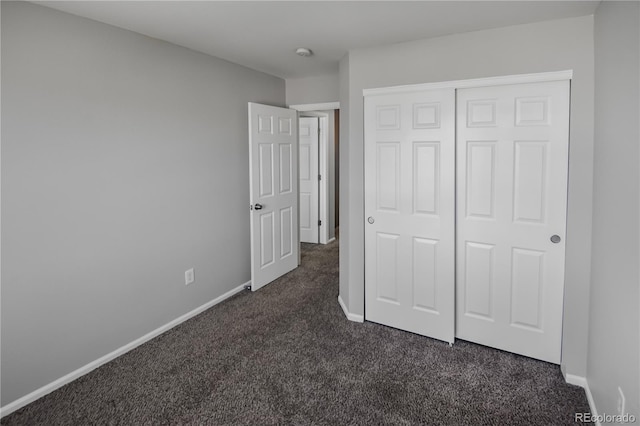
(309, 180)
(273, 177)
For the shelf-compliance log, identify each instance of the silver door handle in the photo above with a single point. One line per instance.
(371, 220)
(555, 239)
(258, 206)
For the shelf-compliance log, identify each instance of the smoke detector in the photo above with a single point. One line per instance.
(303, 51)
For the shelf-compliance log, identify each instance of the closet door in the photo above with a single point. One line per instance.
(512, 163)
(409, 211)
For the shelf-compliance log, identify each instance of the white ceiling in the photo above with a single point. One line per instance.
(263, 35)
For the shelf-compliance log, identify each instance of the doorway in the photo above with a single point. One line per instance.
(318, 174)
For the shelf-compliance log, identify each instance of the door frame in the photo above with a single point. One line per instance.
(326, 145)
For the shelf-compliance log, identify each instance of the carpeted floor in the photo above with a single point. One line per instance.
(287, 355)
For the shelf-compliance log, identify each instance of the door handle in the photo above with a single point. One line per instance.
(257, 206)
(371, 220)
(555, 239)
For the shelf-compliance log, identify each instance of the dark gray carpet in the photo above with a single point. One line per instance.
(287, 355)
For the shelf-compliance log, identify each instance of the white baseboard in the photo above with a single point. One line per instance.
(44, 390)
(331, 240)
(572, 379)
(349, 315)
(582, 382)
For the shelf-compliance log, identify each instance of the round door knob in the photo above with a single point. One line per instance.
(555, 239)
(371, 219)
(258, 206)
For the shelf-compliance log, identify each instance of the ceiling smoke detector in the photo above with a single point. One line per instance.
(303, 51)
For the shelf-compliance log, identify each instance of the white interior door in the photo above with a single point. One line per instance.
(309, 183)
(409, 211)
(273, 169)
(512, 163)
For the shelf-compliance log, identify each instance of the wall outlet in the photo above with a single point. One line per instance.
(189, 276)
(621, 401)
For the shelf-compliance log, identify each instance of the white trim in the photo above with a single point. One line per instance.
(475, 82)
(349, 315)
(46, 389)
(582, 382)
(323, 170)
(332, 239)
(576, 380)
(316, 107)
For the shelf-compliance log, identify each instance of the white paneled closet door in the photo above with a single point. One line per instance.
(409, 211)
(512, 164)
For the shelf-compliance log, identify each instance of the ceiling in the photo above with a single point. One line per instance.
(263, 35)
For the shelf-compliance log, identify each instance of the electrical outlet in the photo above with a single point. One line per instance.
(621, 401)
(189, 276)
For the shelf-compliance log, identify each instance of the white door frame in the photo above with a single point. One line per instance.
(325, 143)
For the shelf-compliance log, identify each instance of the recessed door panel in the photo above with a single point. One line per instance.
(426, 115)
(527, 280)
(387, 267)
(265, 124)
(426, 172)
(305, 162)
(387, 117)
(284, 126)
(286, 168)
(286, 232)
(480, 185)
(425, 274)
(305, 212)
(388, 170)
(530, 181)
(266, 169)
(479, 278)
(532, 111)
(267, 238)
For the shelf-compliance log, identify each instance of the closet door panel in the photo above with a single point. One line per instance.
(512, 164)
(409, 211)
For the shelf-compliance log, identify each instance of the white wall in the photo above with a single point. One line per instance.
(540, 47)
(312, 90)
(614, 343)
(124, 163)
